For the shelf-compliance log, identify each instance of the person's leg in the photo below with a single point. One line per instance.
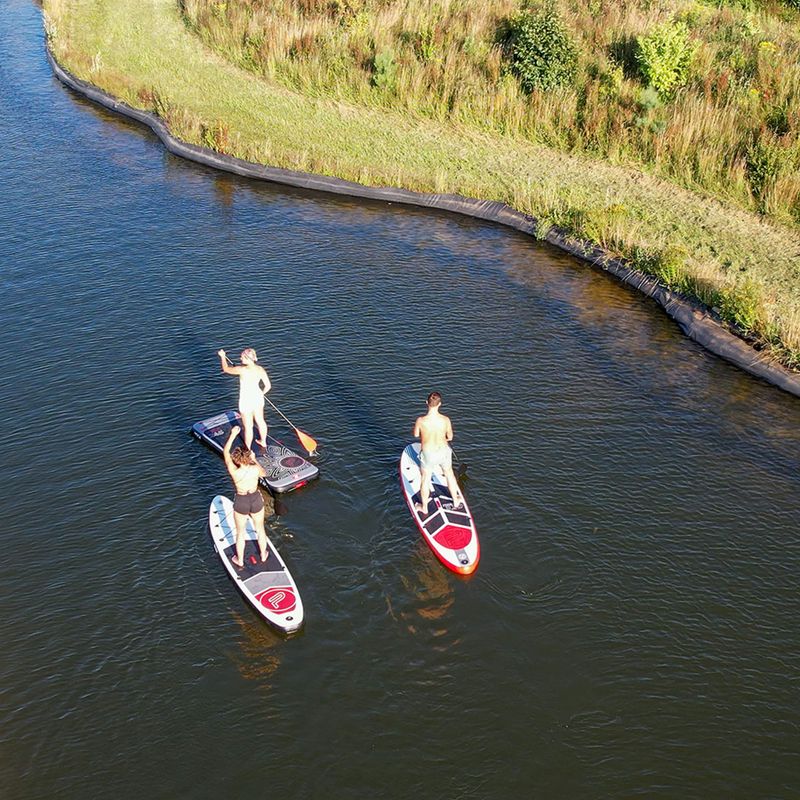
(258, 521)
(452, 485)
(247, 428)
(261, 423)
(239, 521)
(425, 490)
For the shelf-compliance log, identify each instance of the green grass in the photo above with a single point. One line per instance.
(745, 265)
(725, 118)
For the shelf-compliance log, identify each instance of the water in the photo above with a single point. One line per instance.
(631, 630)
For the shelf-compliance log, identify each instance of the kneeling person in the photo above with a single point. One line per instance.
(245, 472)
(435, 431)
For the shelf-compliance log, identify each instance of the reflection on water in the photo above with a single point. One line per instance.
(259, 655)
(430, 586)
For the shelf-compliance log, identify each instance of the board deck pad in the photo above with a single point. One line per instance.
(286, 470)
(268, 585)
(450, 532)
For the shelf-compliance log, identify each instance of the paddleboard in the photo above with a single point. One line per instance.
(268, 586)
(286, 470)
(450, 533)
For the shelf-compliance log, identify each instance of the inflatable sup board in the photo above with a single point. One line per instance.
(450, 533)
(285, 469)
(267, 586)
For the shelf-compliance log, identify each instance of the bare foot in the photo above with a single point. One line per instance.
(263, 444)
(418, 507)
(237, 563)
(264, 557)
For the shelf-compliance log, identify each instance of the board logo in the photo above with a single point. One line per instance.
(292, 461)
(278, 599)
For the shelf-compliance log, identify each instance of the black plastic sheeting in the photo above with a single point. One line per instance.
(694, 319)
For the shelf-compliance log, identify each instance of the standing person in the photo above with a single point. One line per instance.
(248, 503)
(435, 431)
(251, 395)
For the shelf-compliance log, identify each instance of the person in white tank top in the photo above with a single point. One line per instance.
(254, 383)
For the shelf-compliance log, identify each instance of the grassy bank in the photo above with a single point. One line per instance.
(707, 95)
(743, 264)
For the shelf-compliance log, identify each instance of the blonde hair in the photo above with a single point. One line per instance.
(249, 354)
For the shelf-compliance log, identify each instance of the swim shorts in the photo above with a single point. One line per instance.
(248, 503)
(441, 457)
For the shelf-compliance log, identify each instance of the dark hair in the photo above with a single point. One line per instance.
(434, 399)
(241, 456)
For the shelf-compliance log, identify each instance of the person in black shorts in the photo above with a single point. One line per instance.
(248, 502)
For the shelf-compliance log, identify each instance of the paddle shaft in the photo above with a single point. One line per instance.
(307, 441)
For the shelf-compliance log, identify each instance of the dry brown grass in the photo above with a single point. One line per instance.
(450, 67)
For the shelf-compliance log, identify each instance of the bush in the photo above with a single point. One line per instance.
(668, 266)
(763, 162)
(741, 304)
(541, 52)
(777, 120)
(664, 57)
(384, 70)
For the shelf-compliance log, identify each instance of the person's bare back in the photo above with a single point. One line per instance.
(254, 383)
(435, 431)
(245, 478)
(248, 502)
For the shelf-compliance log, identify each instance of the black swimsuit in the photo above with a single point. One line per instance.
(248, 503)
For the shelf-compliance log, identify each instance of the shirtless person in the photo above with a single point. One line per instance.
(435, 431)
(251, 395)
(245, 472)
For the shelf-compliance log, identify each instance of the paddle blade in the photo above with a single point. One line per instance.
(307, 441)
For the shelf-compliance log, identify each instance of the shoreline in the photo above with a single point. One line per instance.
(695, 320)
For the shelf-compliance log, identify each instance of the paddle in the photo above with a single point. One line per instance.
(307, 441)
(461, 472)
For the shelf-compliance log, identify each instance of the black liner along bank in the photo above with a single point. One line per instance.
(694, 319)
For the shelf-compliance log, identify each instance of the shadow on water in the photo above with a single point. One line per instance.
(355, 406)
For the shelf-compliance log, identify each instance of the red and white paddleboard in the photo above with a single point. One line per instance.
(268, 586)
(450, 533)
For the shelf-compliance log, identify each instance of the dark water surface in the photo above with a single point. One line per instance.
(632, 629)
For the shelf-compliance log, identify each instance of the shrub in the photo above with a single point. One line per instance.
(541, 52)
(777, 120)
(763, 163)
(425, 44)
(611, 82)
(668, 266)
(741, 305)
(216, 137)
(384, 70)
(664, 57)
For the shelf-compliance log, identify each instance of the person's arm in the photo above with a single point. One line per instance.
(265, 380)
(448, 434)
(416, 431)
(226, 451)
(227, 368)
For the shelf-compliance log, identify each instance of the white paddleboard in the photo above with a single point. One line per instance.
(268, 586)
(449, 532)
